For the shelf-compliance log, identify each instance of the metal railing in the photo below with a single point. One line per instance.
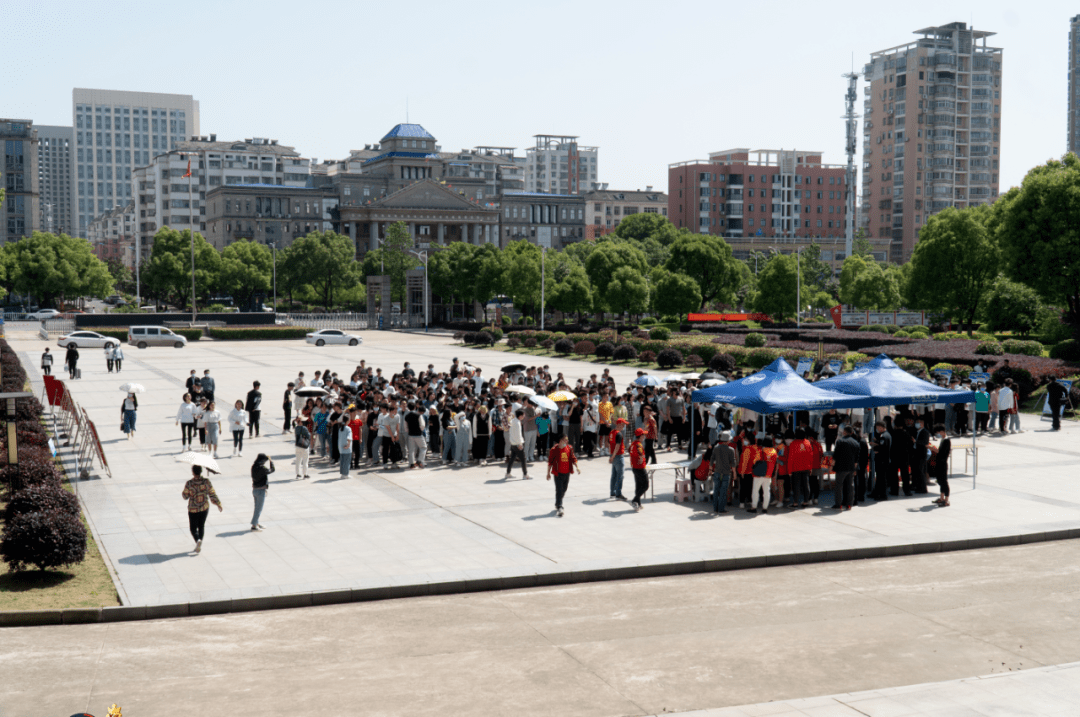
(324, 321)
(57, 327)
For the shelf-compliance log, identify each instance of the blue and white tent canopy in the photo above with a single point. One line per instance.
(777, 388)
(883, 383)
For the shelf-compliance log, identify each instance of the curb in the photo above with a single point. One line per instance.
(128, 613)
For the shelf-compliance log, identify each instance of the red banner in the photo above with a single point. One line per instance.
(729, 317)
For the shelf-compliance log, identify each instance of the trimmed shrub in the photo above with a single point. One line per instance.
(625, 352)
(515, 342)
(506, 320)
(647, 321)
(723, 362)
(989, 348)
(669, 358)
(548, 344)
(559, 335)
(496, 335)
(605, 350)
(43, 539)
(660, 333)
(902, 334)
(459, 336)
(44, 497)
(542, 335)
(912, 366)
(647, 356)
(704, 351)
(695, 331)
(585, 348)
(669, 319)
(761, 357)
(564, 346)
(1068, 350)
(694, 361)
(263, 334)
(35, 467)
(876, 328)
(529, 343)
(1026, 348)
(485, 338)
(528, 321)
(754, 341)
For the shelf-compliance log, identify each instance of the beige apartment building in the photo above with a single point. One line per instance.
(931, 133)
(605, 208)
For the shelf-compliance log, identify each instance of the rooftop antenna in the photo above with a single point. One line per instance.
(849, 176)
(406, 109)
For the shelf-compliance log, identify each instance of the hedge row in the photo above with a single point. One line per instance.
(259, 334)
(42, 527)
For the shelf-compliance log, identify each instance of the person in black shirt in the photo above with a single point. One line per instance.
(1055, 396)
(918, 457)
(830, 423)
(881, 444)
(941, 464)
(254, 408)
(845, 461)
(286, 406)
(899, 460)
(863, 465)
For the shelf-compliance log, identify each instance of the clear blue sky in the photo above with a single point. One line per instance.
(649, 83)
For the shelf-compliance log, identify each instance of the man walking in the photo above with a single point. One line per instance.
(417, 447)
(517, 445)
(71, 358)
(637, 465)
(561, 460)
(845, 461)
(723, 466)
(208, 385)
(1055, 396)
(46, 362)
(253, 406)
(286, 405)
(881, 445)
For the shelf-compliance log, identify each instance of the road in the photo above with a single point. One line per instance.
(620, 648)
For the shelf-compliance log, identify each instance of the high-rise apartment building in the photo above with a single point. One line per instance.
(20, 210)
(559, 165)
(116, 132)
(56, 147)
(1074, 84)
(162, 192)
(931, 133)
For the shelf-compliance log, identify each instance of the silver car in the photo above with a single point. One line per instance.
(333, 336)
(143, 336)
(86, 340)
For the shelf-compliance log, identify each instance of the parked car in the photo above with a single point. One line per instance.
(42, 314)
(86, 340)
(143, 336)
(333, 336)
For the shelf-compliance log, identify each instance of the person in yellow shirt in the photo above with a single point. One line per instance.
(606, 410)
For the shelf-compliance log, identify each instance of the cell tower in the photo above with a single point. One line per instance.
(852, 133)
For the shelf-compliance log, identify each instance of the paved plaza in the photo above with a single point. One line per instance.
(792, 634)
(440, 524)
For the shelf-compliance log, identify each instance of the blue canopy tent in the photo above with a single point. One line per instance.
(884, 383)
(774, 389)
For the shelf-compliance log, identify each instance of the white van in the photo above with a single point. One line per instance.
(143, 336)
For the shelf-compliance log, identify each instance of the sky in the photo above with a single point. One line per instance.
(648, 83)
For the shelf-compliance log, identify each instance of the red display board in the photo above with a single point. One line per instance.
(729, 317)
(54, 390)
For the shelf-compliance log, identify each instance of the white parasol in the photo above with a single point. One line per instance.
(132, 388)
(199, 459)
(544, 402)
(523, 390)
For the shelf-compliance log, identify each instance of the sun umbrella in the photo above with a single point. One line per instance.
(544, 402)
(710, 374)
(524, 390)
(691, 376)
(199, 459)
(311, 391)
(133, 388)
(562, 396)
(647, 380)
(513, 367)
(707, 383)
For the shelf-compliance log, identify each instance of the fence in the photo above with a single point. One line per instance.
(56, 327)
(349, 321)
(75, 428)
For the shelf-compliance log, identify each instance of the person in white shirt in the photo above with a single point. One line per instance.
(212, 418)
(517, 446)
(1004, 405)
(185, 418)
(117, 357)
(238, 421)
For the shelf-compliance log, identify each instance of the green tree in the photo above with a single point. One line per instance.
(572, 293)
(326, 261)
(777, 287)
(607, 258)
(1011, 306)
(392, 259)
(861, 246)
(708, 261)
(522, 280)
(168, 272)
(865, 284)
(644, 226)
(489, 269)
(674, 294)
(123, 278)
(954, 263)
(450, 272)
(627, 291)
(1039, 231)
(816, 273)
(246, 270)
(54, 266)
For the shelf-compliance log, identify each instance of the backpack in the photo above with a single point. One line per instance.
(760, 469)
(303, 440)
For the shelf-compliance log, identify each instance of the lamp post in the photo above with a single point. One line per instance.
(422, 255)
(798, 287)
(273, 248)
(543, 254)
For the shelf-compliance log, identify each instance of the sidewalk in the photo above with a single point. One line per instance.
(470, 527)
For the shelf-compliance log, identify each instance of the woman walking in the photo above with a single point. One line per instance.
(200, 422)
(238, 421)
(260, 483)
(344, 446)
(185, 418)
(941, 463)
(199, 494)
(108, 358)
(127, 414)
(46, 362)
(213, 427)
(117, 357)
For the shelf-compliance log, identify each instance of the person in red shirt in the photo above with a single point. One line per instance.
(561, 460)
(748, 452)
(816, 471)
(766, 483)
(650, 434)
(781, 469)
(637, 465)
(800, 459)
(616, 451)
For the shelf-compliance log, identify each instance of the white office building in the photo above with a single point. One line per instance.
(559, 165)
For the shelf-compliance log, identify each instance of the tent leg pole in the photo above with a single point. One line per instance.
(693, 412)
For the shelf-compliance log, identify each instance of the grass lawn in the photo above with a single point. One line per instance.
(87, 584)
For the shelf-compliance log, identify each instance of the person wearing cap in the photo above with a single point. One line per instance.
(637, 465)
(561, 460)
(616, 449)
(723, 466)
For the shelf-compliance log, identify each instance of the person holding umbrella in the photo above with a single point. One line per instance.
(199, 494)
(127, 414)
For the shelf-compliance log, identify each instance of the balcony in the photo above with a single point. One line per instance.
(243, 234)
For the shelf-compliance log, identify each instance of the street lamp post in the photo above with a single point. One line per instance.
(422, 255)
(798, 287)
(543, 254)
(273, 248)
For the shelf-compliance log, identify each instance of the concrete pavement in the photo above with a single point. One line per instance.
(642, 647)
(440, 525)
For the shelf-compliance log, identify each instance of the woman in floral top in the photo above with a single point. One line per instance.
(200, 494)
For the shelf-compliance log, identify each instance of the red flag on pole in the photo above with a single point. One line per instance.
(188, 169)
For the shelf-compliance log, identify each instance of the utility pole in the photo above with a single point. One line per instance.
(849, 176)
(273, 247)
(543, 254)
